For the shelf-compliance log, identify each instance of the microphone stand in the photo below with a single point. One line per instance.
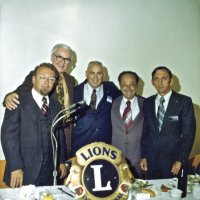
(65, 113)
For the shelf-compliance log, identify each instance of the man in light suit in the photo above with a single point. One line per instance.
(95, 124)
(166, 143)
(127, 138)
(26, 137)
(61, 56)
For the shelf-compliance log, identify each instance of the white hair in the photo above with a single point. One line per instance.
(58, 46)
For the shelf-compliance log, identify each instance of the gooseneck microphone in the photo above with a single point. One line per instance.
(73, 111)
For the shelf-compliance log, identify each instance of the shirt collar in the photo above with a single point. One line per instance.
(90, 89)
(125, 99)
(166, 97)
(38, 97)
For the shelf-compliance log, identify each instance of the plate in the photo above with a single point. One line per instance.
(194, 178)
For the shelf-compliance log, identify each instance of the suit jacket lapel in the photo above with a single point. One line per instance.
(33, 106)
(170, 109)
(153, 112)
(69, 86)
(117, 111)
(52, 109)
(79, 94)
(138, 117)
(105, 95)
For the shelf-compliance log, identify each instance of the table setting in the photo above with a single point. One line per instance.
(30, 192)
(163, 189)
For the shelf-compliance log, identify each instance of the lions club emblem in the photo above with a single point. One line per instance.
(99, 172)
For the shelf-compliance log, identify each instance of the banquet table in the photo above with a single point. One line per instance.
(156, 184)
(58, 194)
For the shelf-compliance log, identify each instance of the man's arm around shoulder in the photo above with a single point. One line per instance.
(11, 100)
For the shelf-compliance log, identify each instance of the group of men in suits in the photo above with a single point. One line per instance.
(160, 152)
(153, 149)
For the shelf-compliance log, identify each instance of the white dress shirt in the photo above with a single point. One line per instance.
(38, 98)
(134, 106)
(157, 101)
(88, 93)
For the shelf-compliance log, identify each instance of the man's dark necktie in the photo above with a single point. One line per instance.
(93, 100)
(45, 108)
(127, 115)
(161, 113)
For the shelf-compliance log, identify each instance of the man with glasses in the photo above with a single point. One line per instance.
(61, 56)
(25, 134)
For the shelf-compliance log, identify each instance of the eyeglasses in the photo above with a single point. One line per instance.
(60, 59)
(43, 78)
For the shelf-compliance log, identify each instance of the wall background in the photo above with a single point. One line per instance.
(133, 35)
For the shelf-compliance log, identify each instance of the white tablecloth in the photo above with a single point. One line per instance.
(14, 194)
(156, 184)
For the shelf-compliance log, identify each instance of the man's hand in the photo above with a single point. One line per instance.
(62, 170)
(16, 178)
(12, 101)
(143, 164)
(176, 168)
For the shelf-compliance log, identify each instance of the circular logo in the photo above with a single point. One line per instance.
(99, 171)
(100, 178)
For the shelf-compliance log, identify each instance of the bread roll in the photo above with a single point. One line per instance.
(148, 191)
(164, 188)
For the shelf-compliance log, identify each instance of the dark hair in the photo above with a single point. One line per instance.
(161, 68)
(49, 66)
(128, 72)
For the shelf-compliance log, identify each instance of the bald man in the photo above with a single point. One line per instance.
(95, 124)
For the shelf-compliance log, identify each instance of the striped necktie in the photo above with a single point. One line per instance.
(45, 108)
(93, 100)
(161, 113)
(127, 115)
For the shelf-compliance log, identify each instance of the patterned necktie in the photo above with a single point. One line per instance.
(93, 100)
(60, 92)
(161, 113)
(45, 108)
(127, 115)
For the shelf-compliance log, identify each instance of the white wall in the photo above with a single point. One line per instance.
(133, 35)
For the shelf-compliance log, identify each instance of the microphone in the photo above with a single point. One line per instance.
(73, 111)
(79, 109)
(82, 102)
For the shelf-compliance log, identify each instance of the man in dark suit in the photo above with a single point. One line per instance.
(95, 124)
(26, 137)
(127, 122)
(61, 56)
(168, 130)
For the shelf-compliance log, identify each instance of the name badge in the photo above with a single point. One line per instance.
(109, 99)
(173, 118)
